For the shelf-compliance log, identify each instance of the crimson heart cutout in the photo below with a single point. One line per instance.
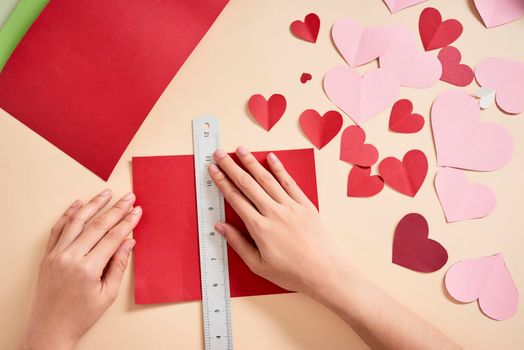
(305, 77)
(361, 184)
(320, 129)
(413, 249)
(308, 29)
(402, 120)
(435, 33)
(452, 71)
(354, 150)
(405, 176)
(267, 112)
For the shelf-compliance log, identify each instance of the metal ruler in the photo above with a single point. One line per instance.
(214, 272)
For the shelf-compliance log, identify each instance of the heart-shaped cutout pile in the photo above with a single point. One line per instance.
(362, 184)
(406, 176)
(267, 112)
(452, 71)
(308, 29)
(320, 129)
(402, 120)
(436, 33)
(353, 149)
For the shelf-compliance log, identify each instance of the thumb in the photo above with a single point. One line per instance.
(117, 267)
(239, 243)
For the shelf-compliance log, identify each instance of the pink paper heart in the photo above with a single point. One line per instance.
(488, 280)
(506, 77)
(413, 66)
(498, 12)
(361, 97)
(461, 200)
(397, 5)
(359, 45)
(462, 140)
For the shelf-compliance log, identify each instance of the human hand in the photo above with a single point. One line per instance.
(81, 271)
(293, 246)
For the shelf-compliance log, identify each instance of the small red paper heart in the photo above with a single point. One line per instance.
(402, 120)
(305, 77)
(413, 249)
(307, 30)
(267, 113)
(354, 150)
(320, 129)
(361, 184)
(452, 71)
(405, 176)
(435, 33)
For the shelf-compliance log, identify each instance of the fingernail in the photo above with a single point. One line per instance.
(105, 193)
(129, 245)
(213, 168)
(128, 196)
(242, 151)
(219, 154)
(75, 204)
(136, 211)
(220, 228)
(272, 157)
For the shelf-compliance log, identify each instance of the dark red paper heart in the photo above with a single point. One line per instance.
(402, 120)
(361, 184)
(267, 112)
(354, 150)
(305, 77)
(452, 71)
(320, 129)
(307, 30)
(435, 33)
(413, 249)
(405, 176)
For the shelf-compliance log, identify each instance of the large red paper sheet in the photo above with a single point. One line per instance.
(166, 259)
(88, 72)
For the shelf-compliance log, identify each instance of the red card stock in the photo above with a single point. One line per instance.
(436, 33)
(166, 259)
(88, 72)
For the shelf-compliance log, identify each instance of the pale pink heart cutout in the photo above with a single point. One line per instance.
(488, 280)
(462, 140)
(461, 200)
(506, 77)
(413, 66)
(397, 5)
(361, 97)
(359, 45)
(498, 12)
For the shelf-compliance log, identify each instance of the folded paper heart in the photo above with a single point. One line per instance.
(397, 5)
(353, 149)
(506, 77)
(308, 29)
(436, 33)
(402, 120)
(487, 280)
(413, 249)
(361, 97)
(462, 140)
(305, 77)
(486, 97)
(452, 71)
(320, 129)
(499, 12)
(267, 112)
(361, 184)
(359, 45)
(461, 200)
(406, 176)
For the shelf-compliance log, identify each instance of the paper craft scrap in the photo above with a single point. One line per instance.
(6, 8)
(361, 184)
(406, 176)
(166, 261)
(353, 149)
(402, 119)
(486, 97)
(97, 78)
(359, 45)
(308, 29)
(413, 249)
(436, 33)
(267, 112)
(498, 12)
(487, 280)
(305, 77)
(320, 130)
(506, 77)
(413, 66)
(361, 97)
(462, 140)
(461, 200)
(452, 71)
(397, 5)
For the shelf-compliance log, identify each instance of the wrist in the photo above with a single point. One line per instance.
(35, 341)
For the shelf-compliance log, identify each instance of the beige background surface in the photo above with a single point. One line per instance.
(250, 50)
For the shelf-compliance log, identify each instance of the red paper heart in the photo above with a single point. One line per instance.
(307, 30)
(452, 71)
(402, 120)
(435, 33)
(361, 184)
(320, 129)
(305, 77)
(413, 249)
(354, 150)
(269, 112)
(405, 176)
